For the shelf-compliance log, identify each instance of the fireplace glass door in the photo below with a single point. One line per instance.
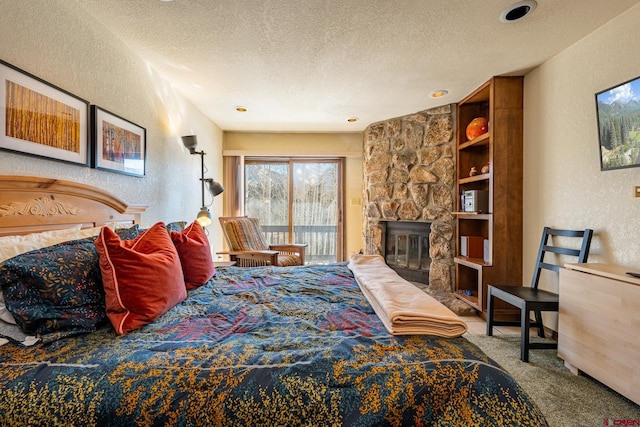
(407, 249)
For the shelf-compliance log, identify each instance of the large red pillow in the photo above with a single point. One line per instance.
(194, 251)
(142, 278)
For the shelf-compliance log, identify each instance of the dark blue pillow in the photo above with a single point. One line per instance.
(126, 233)
(57, 291)
(176, 226)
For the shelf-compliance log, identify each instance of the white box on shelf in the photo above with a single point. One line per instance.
(487, 251)
(471, 246)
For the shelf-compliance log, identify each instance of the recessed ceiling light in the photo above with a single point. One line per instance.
(439, 93)
(352, 119)
(241, 109)
(518, 10)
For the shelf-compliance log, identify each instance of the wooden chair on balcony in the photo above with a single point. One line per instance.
(248, 248)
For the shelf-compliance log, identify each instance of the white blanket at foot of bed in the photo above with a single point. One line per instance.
(402, 307)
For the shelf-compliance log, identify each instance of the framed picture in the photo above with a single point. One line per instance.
(40, 119)
(118, 144)
(618, 111)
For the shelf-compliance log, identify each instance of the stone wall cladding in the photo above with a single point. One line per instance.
(409, 175)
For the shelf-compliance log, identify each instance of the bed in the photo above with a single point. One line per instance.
(283, 346)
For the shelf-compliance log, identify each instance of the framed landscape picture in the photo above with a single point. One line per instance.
(118, 144)
(618, 110)
(39, 119)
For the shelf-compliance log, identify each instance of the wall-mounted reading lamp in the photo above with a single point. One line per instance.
(204, 216)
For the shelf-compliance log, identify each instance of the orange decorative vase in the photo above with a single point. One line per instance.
(477, 127)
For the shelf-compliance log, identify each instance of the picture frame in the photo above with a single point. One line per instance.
(40, 119)
(618, 113)
(119, 145)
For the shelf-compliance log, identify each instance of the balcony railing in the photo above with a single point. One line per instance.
(322, 240)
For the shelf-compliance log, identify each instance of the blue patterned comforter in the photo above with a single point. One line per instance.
(293, 346)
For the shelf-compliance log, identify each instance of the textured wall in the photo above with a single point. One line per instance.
(563, 184)
(409, 175)
(57, 42)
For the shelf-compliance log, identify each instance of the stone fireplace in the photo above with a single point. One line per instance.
(409, 176)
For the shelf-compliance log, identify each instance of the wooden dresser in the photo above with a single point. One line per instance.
(599, 325)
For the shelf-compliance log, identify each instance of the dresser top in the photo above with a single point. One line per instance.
(612, 271)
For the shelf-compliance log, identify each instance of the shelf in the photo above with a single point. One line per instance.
(472, 215)
(480, 95)
(472, 299)
(475, 178)
(476, 263)
(500, 101)
(476, 142)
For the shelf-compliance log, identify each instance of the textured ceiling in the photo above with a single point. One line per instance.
(308, 65)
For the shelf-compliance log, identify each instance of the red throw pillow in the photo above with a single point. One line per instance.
(193, 248)
(142, 278)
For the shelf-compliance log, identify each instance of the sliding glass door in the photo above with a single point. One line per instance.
(298, 201)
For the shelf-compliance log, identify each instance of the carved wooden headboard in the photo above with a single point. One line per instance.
(30, 204)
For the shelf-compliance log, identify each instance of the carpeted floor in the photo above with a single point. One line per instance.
(565, 399)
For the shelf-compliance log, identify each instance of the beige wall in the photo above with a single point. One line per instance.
(563, 184)
(348, 145)
(57, 42)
